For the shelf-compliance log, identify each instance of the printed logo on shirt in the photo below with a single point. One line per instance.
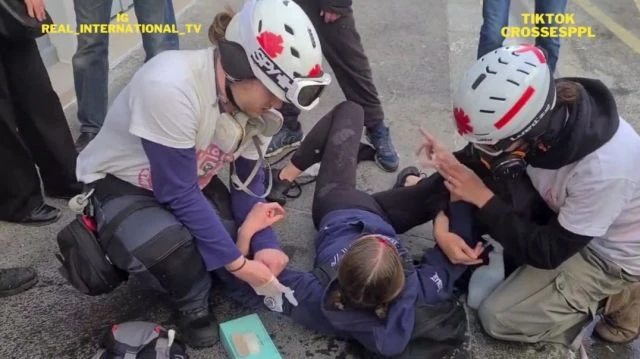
(437, 281)
(209, 162)
(336, 257)
(144, 179)
(271, 304)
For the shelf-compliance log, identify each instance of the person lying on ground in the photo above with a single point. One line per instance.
(365, 285)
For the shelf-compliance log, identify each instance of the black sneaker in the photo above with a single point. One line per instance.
(386, 154)
(283, 140)
(42, 215)
(16, 280)
(279, 189)
(198, 327)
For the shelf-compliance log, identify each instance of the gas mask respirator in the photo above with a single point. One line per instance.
(507, 165)
(236, 133)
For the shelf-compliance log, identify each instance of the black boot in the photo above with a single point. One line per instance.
(280, 188)
(199, 327)
(16, 280)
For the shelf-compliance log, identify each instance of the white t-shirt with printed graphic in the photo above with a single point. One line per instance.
(168, 101)
(599, 196)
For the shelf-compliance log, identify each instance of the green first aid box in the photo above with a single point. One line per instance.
(247, 338)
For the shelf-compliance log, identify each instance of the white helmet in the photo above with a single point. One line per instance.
(283, 49)
(504, 95)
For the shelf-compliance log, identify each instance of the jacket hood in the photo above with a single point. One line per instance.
(588, 124)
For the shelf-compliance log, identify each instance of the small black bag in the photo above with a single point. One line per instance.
(15, 22)
(85, 265)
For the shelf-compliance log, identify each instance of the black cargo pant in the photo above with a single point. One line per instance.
(33, 131)
(153, 245)
(334, 141)
(342, 47)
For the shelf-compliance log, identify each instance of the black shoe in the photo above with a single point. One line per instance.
(198, 327)
(16, 280)
(280, 188)
(83, 140)
(41, 216)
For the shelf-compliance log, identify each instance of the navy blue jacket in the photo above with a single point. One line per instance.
(429, 282)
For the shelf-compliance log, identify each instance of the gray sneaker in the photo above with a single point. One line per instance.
(283, 140)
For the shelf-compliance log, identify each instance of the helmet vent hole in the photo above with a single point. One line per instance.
(487, 111)
(260, 26)
(497, 98)
(513, 82)
(477, 82)
(491, 72)
(523, 71)
(295, 52)
(288, 29)
(502, 62)
(530, 64)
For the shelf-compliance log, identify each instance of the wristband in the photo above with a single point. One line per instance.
(240, 267)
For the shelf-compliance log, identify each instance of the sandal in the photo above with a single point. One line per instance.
(409, 171)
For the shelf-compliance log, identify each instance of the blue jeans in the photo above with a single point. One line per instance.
(495, 14)
(91, 60)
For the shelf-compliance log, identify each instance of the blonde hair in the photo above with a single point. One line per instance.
(219, 25)
(370, 275)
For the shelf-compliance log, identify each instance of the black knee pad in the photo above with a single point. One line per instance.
(173, 259)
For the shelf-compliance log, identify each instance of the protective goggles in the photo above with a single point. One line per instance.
(302, 92)
(305, 92)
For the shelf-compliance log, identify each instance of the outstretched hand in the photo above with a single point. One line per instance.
(460, 180)
(263, 215)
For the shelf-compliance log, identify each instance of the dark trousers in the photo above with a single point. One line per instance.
(342, 47)
(152, 245)
(33, 131)
(335, 141)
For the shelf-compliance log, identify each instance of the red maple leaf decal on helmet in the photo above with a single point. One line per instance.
(271, 43)
(532, 48)
(463, 122)
(315, 71)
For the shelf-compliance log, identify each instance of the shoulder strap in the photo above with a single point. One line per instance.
(111, 226)
(244, 186)
(325, 273)
(407, 264)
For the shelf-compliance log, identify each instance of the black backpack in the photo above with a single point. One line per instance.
(85, 265)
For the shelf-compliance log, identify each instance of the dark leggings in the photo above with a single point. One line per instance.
(335, 141)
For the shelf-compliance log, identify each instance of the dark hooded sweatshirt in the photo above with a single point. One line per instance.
(590, 123)
(429, 282)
